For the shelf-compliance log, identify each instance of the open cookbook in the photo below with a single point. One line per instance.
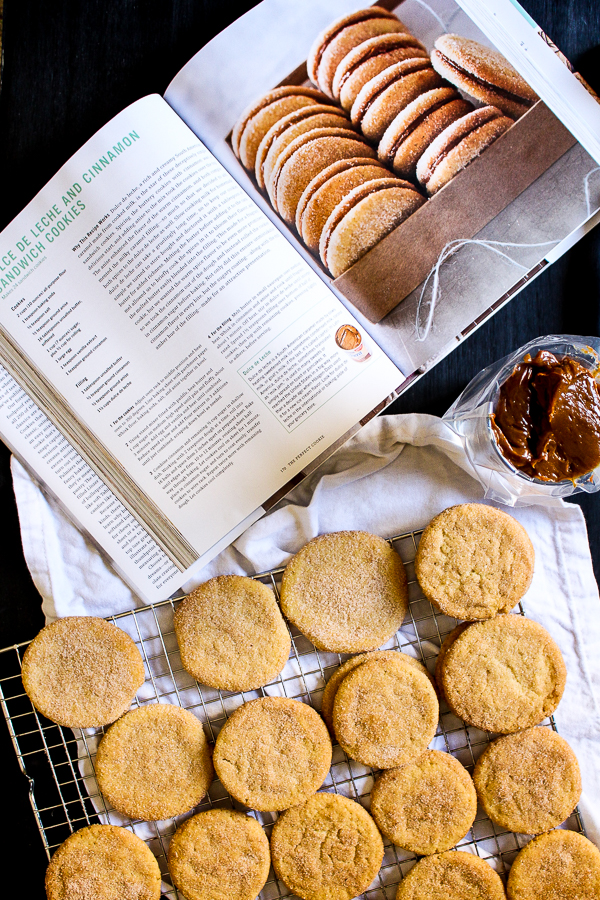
(174, 359)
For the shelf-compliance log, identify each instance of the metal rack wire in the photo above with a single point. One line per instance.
(59, 762)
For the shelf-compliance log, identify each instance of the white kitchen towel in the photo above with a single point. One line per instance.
(393, 477)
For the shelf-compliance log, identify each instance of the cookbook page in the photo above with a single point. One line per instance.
(162, 323)
(472, 278)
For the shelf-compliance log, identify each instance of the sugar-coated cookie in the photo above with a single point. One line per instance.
(261, 114)
(528, 782)
(103, 862)
(327, 189)
(483, 73)
(346, 591)
(339, 38)
(503, 674)
(273, 753)
(446, 644)
(338, 676)
(290, 127)
(328, 848)
(451, 876)
(474, 561)
(231, 634)
(363, 218)
(559, 865)
(219, 854)
(154, 763)
(458, 145)
(381, 99)
(369, 59)
(408, 135)
(385, 713)
(82, 672)
(304, 158)
(426, 806)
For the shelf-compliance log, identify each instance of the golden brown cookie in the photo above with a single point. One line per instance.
(219, 855)
(503, 674)
(304, 158)
(474, 561)
(326, 190)
(451, 876)
(483, 73)
(385, 713)
(231, 634)
(103, 862)
(339, 38)
(288, 129)
(528, 782)
(273, 753)
(350, 664)
(426, 806)
(446, 644)
(259, 116)
(154, 763)
(82, 672)
(369, 59)
(458, 145)
(559, 865)
(346, 591)
(328, 848)
(363, 218)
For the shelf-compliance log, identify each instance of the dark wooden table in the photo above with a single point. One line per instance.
(68, 68)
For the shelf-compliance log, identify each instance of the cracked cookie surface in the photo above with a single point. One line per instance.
(474, 561)
(219, 854)
(273, 753)
(426, 806)
(559, 865)
(451, 876)
(346, 591)
(328, 848)
(504, 674)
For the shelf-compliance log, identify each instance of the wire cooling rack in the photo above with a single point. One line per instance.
(59, 762)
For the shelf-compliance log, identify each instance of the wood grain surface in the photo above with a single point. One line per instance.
(68, 67)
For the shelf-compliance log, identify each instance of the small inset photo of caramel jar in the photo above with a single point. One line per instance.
(349, 339)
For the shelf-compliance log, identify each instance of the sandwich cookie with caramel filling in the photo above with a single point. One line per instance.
(412, 131)
(307, 155)
(381, 99)
(329, 188)
(363, 218)
(257, 118)
(482, 73)
(369, 59)
(286, 130)
(336, 41)
(459, 144)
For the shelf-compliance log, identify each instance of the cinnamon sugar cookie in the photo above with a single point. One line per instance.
(559, 865)
(385, 713)
(219, 854)
(350, 664)
(231, 634)
(528, 782)
(451, 876)
(154, 763)
(446, 644)
(328, 848)
(426, 806)
(273, 753)
(346, 591)
(82, 672)
(503, 674)
(474, 561)
(103, 862)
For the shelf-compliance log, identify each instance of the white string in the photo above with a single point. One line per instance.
(586, 185)
(449, 250)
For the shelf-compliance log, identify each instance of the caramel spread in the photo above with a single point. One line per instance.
(547, 419)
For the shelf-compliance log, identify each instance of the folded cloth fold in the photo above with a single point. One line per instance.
(392, 477)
